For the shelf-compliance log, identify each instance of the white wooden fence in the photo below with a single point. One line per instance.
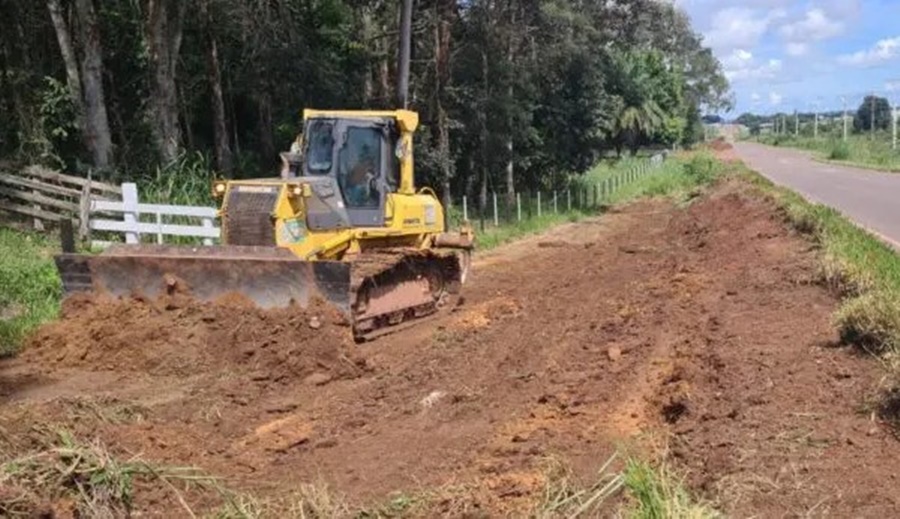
(132, 226)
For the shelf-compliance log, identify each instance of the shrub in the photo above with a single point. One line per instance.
(840, 150)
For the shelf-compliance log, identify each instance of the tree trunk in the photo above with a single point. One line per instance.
(187, 118)
(96, 127)
(442, 36)
(70, 59)
(368, 86)
(264, 125)
(164, 41)
(510, 56)
(482, 198)
(223, 154)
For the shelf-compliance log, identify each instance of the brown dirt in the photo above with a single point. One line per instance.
(700, 326)
(176, 335)
(723, 150)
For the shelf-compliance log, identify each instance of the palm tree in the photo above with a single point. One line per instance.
(639, 114)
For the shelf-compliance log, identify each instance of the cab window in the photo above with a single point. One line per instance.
(319, 148)
(359, 163)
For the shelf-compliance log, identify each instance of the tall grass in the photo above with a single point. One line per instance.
(185, 181)
(656, 493)
(29, 286)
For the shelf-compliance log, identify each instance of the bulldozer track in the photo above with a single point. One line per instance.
(394, 289)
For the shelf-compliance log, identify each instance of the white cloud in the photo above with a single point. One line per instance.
(883, 50)
(796, 49)
(740, 65)
(892, 86)
(775, 98)
(739, 58)
(740, 27)
(814, 26)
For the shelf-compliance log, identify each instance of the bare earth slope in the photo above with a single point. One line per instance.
(701, 326)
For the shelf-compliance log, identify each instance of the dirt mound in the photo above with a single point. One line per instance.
(177, 335)
(720, 144)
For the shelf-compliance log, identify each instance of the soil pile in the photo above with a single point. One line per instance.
(720, 144)
(177, 335)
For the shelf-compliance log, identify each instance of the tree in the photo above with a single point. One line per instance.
(220, 129)
(85, 85)
(873, 105)
(512, 95)
(642, 86)
(164, 23)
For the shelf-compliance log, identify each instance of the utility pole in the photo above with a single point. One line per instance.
(403, 71)
(816, 123)
(844, 101)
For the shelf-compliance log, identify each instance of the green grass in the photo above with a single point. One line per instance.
(656, 493)
(859, 150)
(30, 289)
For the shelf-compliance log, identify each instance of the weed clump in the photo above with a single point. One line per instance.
(871, 321)
(85, 474)
(840, 150)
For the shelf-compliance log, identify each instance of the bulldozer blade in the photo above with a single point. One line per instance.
(270, 277)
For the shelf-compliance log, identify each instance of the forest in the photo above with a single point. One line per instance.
(512, 94)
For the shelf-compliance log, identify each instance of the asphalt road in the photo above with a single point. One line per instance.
(870, 198)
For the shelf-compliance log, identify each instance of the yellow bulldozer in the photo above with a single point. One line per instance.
(344, 223)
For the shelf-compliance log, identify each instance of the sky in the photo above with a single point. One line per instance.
(786, 55)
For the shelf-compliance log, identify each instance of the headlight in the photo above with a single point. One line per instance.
(298, 190)
(219, 189)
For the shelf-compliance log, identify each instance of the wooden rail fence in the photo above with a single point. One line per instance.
(48, 196)
(100, 210)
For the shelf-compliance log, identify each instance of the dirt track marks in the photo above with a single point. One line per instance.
(700, 322)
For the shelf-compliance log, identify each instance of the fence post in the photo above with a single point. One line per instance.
(66, 235)
(496, 220)
(596, 195)
(539, 203)
(465, 209)
(481, 210)
(159, 234)
(555, 211)
(207, 224)
(569, 200)
(84, 214)
(519, 207)
(130, 206)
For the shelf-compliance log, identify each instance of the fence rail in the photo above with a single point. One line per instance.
(48, 196)
(51, 196)
(134, 229)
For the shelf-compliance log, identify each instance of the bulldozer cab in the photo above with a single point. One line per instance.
(352, 168)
